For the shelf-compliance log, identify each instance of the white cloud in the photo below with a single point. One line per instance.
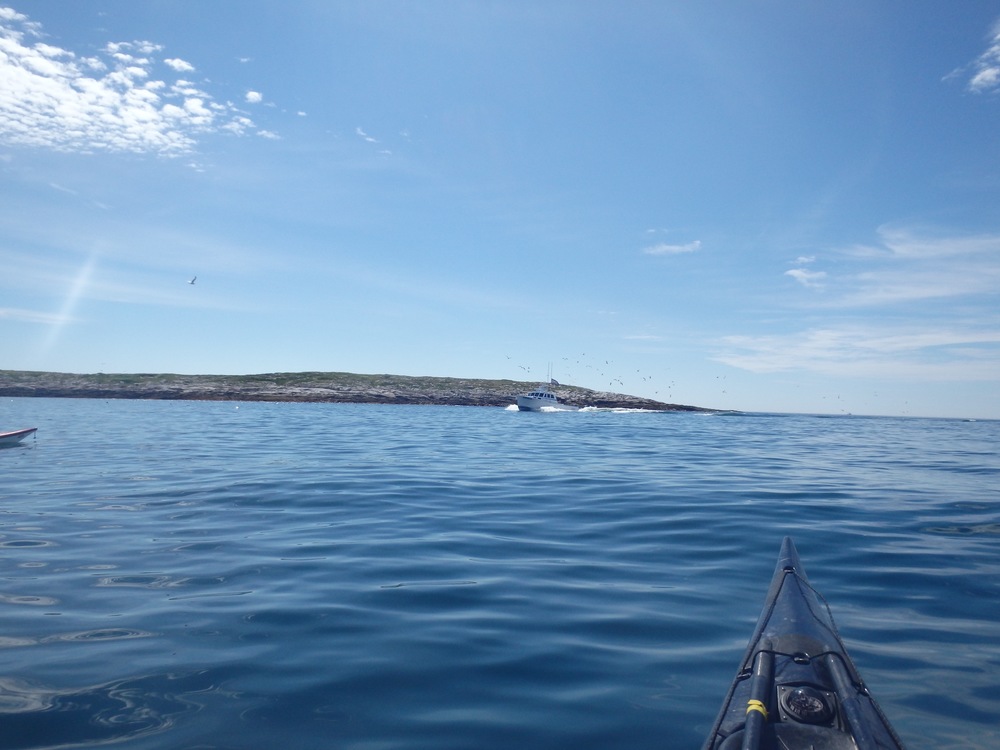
(806, 278)
(986, 75)
(9, 14)
(663, 248)
(181, 66)
(238, 125)
(254, 97)
(50, 98)
(365, 135)
(986, 79)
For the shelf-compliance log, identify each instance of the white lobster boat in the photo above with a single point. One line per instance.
(542, 399)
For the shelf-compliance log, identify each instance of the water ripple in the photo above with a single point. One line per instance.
(405, 577)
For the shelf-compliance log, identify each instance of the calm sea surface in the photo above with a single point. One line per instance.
(207, 575)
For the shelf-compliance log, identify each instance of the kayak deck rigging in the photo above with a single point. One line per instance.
(797, 688)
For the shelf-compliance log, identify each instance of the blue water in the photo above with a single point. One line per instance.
(207, 575)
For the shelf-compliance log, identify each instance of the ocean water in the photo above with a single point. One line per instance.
(214, 575)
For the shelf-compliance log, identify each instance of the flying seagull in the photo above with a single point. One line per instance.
(193, 279)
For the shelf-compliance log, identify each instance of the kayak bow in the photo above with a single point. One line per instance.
(797, 688)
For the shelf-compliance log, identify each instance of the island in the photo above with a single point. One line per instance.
(316, 387)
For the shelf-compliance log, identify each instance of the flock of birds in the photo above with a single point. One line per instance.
(604, 371)
(600, 370)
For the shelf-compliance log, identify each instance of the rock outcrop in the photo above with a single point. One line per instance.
(328, 387)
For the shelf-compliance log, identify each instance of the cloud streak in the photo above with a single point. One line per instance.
(986, 68)
(32, 316)
(845, 350)
(663, 248)
(805, 277)
(911, 267)
(110, 102)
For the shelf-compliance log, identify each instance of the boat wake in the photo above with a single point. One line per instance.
(617, 410)
(588, 410)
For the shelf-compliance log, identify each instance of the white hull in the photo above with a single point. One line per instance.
(542, 399)
(15, 437)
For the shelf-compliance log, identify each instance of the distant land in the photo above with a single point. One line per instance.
(316, 387)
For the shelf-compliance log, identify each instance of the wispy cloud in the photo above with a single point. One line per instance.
(903, 242)
(643, 337)
(663, 248)
(32, 316)
(986, 68)
(911, 266)
(851, 350)
(907, 265)
(113, 101)
(899, 276)
(805, 277)
(362, 134)
(62, 188)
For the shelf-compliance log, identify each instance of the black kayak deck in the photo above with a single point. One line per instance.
(797, 687)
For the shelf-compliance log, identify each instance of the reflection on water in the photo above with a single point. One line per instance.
(103, 634)
(41, 716)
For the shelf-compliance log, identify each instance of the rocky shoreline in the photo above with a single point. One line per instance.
(315, 387)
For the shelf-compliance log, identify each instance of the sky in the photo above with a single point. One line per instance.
(756, 205)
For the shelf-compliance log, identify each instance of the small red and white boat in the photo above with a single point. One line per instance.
(15, 436)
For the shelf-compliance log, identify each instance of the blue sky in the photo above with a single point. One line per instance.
(766, 206)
